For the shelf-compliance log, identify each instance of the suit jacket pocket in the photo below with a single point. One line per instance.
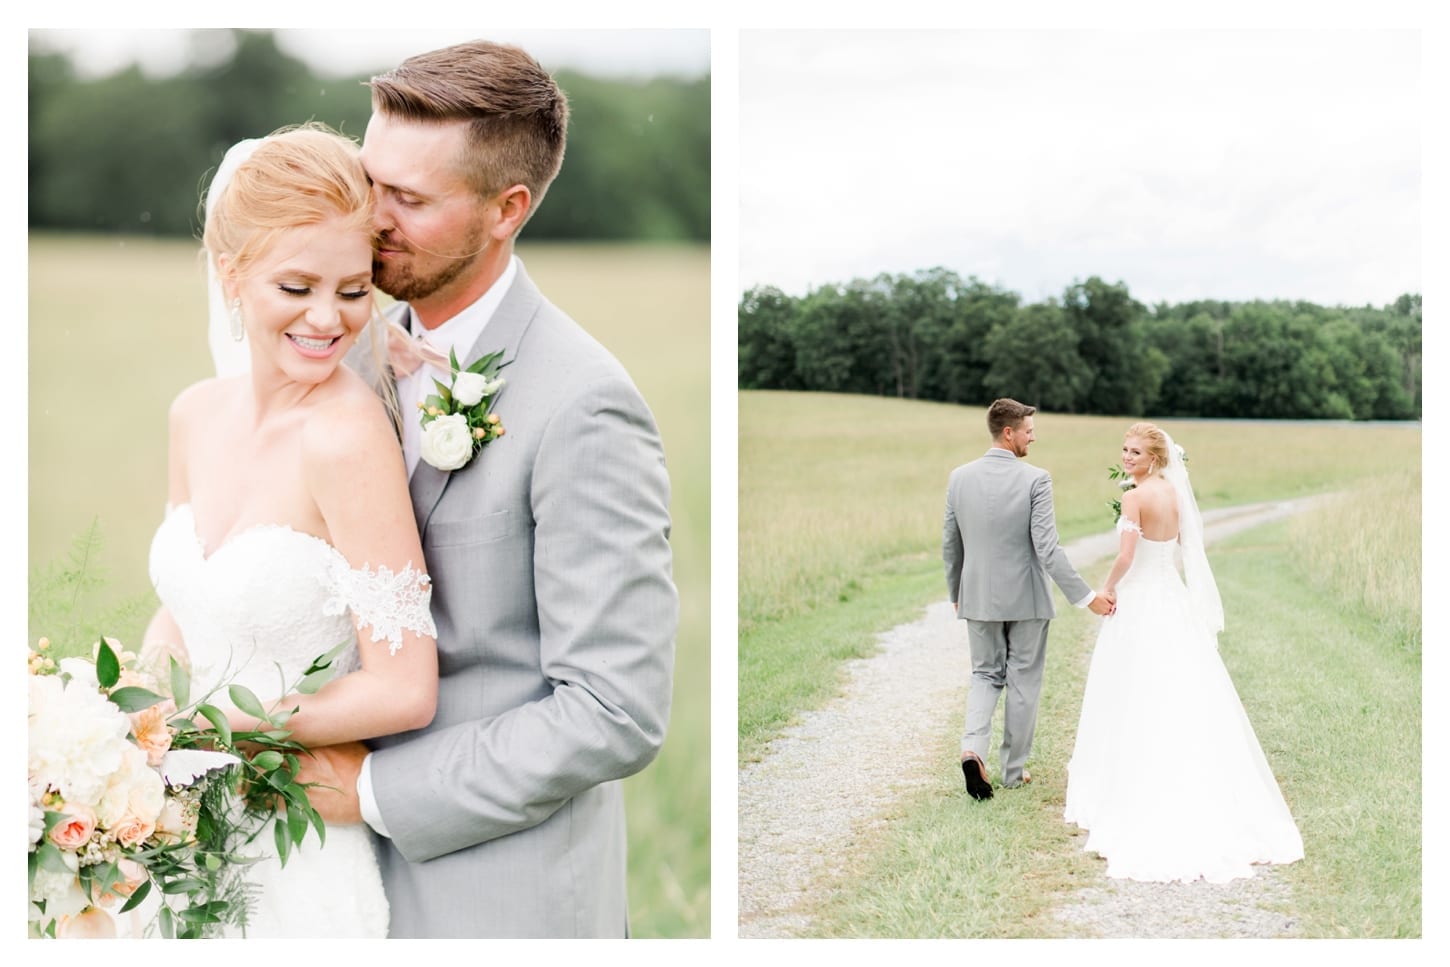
(471, 530)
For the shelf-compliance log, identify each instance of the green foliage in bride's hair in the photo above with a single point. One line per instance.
(1125, 483)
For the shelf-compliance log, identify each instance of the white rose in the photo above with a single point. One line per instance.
(77, 738)
(447, 443)
(81, 671)
(134, 790)
(60, 890)
(469, 388)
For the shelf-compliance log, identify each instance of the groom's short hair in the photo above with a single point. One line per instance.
(1004, 413)
(517, 116)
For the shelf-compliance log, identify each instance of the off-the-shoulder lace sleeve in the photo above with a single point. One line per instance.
(1127, 525)
(388, 603)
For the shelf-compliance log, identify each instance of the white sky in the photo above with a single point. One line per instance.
(1187, 163)
(353, 51)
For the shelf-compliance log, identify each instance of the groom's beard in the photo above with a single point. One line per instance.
(417, 274)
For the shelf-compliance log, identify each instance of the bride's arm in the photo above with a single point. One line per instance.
(162, 638)
(355, 473)
(1127, 542)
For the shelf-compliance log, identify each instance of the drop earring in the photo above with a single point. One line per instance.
(238, 331)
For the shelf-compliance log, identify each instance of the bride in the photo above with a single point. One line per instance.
(1167, 775)
(289, 528)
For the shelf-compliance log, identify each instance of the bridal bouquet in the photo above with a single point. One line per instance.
(457, 421)
(131, 797)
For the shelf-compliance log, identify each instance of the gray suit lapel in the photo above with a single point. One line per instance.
(504, 331)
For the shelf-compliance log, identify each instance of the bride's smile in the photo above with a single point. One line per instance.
(305, 303)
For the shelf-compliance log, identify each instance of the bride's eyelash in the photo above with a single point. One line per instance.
(306, 290)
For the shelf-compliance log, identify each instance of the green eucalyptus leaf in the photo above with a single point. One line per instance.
(243, 698)
(108, 666)
(218, 721)
(311, 683)
(267, 760)
(184, 885)
(132, 698)
(279, 835)
(324, 661)
(316, 819)
(168, 929)
(142, 892)
(180, 684)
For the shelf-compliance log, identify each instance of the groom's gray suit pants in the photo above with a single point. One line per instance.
(1010, 655)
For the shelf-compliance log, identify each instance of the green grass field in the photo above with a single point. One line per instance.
(117, 328)
(1334, 700)
(840, 510)
(840, 517)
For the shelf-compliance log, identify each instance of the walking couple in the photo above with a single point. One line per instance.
(1166, 773)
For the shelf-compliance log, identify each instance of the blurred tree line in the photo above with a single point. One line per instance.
(132, 154)
(933, 335)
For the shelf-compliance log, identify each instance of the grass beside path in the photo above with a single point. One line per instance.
(1334, 697)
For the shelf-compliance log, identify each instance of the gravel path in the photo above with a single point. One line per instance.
(794, 823)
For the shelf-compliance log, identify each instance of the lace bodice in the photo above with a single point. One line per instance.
(272, 596)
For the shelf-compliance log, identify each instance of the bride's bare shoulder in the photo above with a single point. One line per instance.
(352, 417)
(203, 399)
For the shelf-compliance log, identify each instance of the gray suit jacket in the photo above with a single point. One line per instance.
(556, 616)
(999, 541)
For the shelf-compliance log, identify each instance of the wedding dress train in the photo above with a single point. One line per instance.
(273, 598)
(1167, 775)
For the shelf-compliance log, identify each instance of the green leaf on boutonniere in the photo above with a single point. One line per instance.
(452, 360)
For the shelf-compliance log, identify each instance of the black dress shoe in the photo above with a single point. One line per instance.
(976, 775)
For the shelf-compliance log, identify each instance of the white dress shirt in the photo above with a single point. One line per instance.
(459, 334)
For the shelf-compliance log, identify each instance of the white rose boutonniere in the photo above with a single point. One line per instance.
(457, 420)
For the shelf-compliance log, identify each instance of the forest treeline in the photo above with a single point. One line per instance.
(933, 335)
(130, 153)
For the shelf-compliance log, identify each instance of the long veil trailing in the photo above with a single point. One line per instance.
(1202, 589)
(229, 356)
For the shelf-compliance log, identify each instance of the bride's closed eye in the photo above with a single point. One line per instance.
(302, 290)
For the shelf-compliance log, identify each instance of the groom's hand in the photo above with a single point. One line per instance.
(1099, 605)
(335, 769)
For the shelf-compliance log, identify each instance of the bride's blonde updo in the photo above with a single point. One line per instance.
(298, 176)
(1155, 443)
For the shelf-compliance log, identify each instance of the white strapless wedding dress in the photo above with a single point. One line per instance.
(1167, 775)
(271, 596)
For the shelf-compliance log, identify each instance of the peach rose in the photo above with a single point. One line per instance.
(92, 923)
(133, 874)
(73, 832)
(153, 735)
(131, 831)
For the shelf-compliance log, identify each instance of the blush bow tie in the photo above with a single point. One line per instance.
(406, 352)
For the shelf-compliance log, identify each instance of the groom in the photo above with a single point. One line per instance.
(549, 552)
(999, 542)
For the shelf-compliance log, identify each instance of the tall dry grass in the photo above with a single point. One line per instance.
(1364, 547)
